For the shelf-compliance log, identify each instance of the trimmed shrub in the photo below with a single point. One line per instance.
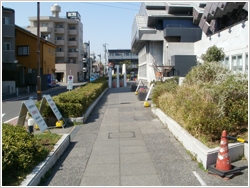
(162, 87)
(20, 152)
(211, 99)
(75, 103)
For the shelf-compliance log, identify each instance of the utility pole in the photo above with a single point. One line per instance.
(39, 94)
(100, 55)
(105, 51)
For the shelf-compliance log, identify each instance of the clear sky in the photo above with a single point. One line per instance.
(103, 22)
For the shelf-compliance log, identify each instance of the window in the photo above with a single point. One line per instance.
(6, 20)
(6, 46)
(237, 63)
(225, 62)
(59, 49)
(59, 26)
(246, 64)
(71, 27)
(58, 38)
(49, 50)
(44, 24)
(23, 50)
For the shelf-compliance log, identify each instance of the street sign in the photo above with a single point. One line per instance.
(31, 107)
(52, 106)
(70, 82)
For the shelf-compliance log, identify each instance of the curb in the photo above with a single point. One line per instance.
(86, 115)
(33, 179)
(204, 154)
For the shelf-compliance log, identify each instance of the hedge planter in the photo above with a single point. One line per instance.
(133, 88)
(142, 96)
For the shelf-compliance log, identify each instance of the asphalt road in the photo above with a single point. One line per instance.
(11, 105)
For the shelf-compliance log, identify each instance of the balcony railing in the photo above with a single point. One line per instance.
(60, 54)
(59, 30)
(72, 54)
(72, 43)
(59, 42)
(45, 29)
(72, 32)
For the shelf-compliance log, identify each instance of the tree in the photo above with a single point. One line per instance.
(213, 54)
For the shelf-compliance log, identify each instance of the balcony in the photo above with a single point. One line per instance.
(185, 34)
(45, 29)
(59, 42)
(8, 56)
(59, 54)
(8, 30)
(59, 30)
(72, 54)
(72, 32)
(72, 43)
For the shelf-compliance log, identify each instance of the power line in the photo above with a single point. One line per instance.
(130, 4)
(110, 6)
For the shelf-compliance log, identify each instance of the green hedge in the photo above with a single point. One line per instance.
(211, 99)
(74, 103)
(20, 153)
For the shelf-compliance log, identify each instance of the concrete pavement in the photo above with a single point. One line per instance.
(123, 144)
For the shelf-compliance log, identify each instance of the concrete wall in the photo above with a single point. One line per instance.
(6, 85)
(234, 41)
(177, 48)
(65, 68)
(183, 64)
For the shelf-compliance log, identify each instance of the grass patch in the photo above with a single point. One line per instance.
(48, 140)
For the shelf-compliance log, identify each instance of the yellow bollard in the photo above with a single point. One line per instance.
(136, 93)
(58, 124)
(146, 104)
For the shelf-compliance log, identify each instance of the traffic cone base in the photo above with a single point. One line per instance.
(223, 167)
(225, 174)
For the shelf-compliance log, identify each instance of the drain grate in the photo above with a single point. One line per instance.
(116, 135)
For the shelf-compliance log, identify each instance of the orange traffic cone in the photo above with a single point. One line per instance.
(121, 83)
(223, 159)
(223, 167)
(114, 84)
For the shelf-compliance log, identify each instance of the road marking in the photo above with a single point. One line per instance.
(199, 179)
(3, 114)
(10, 119)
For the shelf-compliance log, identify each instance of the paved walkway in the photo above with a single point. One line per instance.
(124, 144)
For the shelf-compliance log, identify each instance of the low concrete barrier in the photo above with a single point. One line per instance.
(34, 178)
(204, 154)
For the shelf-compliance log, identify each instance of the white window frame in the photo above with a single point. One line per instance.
(246, 63)
(4, 20)
(5, 44)
(237, 66)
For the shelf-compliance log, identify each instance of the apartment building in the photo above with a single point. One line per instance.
(116, 56)
(67, 34)
(8, 39)
(169, 37)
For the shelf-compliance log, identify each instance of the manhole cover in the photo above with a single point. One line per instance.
(116, 135)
